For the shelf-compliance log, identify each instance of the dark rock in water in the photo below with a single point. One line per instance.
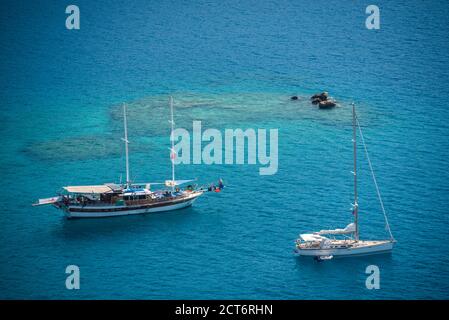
(322, 96)
(316, 101)
(294, 98)
(326, 104)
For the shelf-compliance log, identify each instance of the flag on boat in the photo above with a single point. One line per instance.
(172, 154)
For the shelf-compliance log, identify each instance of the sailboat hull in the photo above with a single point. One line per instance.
(115, 211)
(357, 248)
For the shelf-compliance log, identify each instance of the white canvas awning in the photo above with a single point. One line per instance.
(350, 228)
(311, 237)
(134, 192)
(89, 189)
(171, 183)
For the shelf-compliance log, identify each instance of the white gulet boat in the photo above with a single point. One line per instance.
(111, 199)
(326, 244)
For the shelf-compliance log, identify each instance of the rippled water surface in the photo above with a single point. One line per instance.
(230, 64)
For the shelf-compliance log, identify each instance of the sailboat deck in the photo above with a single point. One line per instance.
(335, 244)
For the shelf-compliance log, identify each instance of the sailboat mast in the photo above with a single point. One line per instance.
(356, 205)
(172, 150)
(126, 145)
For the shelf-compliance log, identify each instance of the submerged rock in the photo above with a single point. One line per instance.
(294, 98)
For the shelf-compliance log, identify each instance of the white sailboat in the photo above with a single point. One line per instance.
(326, 244)
(111, 199)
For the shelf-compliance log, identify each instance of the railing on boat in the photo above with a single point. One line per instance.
(127, 202)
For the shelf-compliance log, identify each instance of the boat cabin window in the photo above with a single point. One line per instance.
(139, 197)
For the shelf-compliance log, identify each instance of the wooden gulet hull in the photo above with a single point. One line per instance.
(76, 211)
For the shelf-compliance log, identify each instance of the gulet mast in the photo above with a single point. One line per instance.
(125, 139)
(172, 149)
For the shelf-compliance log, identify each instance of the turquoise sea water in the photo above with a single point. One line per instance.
(230, 64)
